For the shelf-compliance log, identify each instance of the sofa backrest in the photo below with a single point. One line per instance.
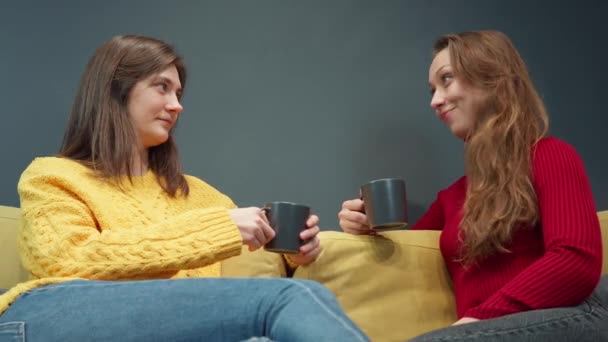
(11, 271)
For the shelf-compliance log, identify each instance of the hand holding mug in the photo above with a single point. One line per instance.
(312, 247)
(253, 226)
(382, 206)
(353, 219)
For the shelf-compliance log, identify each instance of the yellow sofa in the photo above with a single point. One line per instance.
(394, 286)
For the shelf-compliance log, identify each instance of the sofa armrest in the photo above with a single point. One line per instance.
(394, 285)
(603, 217)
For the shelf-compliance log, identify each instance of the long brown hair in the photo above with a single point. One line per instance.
(500, 196)
(99, 132)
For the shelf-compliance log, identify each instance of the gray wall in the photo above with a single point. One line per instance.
(304, 100)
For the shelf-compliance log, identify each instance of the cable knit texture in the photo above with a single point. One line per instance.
(79, 225)
(554, 264)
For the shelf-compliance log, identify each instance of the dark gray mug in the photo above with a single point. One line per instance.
(288, 220)
(385, 203)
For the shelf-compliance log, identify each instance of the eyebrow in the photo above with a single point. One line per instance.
(441, 68)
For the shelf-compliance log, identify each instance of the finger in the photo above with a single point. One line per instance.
(353, 216)
(353, 231)
(311, 245)
(355, 228)
(361, 232)
(350, 225)
(259, 235)
(354, 204)
(254, 244)
(262, 214)
(313, 253)
(309, 233)
(268, 232)
(312, 221)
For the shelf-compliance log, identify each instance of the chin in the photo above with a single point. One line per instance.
(460, 134)
(157, 141)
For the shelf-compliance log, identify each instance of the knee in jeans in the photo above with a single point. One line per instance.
(314, 287)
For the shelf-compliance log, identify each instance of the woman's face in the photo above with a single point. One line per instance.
(455, 102)
(154, 106)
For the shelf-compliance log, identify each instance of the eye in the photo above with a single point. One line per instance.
(163, 86)
(446, 78)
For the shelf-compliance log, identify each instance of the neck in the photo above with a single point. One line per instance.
(139, 165)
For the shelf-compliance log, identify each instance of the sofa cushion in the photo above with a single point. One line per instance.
(394, 286)
(254, 264)
(11, 271)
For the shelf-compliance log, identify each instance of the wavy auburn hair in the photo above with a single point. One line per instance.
(499, 149)
(99, 131)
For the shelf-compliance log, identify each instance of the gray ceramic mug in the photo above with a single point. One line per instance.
(385, 203)
(287, 220)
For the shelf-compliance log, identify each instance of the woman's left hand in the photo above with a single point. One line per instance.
(465, 320)
(312, 248)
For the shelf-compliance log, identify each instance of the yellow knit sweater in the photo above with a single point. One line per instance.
(78, 225)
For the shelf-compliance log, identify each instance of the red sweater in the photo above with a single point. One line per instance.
(554, 264)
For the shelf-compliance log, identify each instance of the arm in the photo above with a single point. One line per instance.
(354, 221)
(60, 237)
(570, 268)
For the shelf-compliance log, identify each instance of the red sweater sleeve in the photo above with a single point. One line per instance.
(570, 268)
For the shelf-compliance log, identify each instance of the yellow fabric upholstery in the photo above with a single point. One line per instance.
(11, 271)
(603, 216)
(394, 286)
(254, 264)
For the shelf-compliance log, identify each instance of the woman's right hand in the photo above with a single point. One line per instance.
(353, 219)
(253, 225)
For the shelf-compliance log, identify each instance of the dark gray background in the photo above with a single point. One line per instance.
(304, 100)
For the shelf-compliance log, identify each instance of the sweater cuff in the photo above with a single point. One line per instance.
(227, 236)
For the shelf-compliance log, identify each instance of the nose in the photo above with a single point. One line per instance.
(174, 106)
(437, 100)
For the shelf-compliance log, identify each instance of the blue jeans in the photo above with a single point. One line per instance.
(587, 322)
(179, 310)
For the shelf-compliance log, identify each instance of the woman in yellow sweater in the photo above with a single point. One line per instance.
(112, 223)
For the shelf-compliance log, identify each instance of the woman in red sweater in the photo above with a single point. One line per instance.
(520, 234)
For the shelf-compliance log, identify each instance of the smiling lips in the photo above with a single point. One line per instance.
(444, 115)
(167, 120)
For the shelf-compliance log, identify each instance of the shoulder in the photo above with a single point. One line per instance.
(198, 184)
(205, 192)
(52, 168)
(553, 146)
(453, 194)
(53, 180)
(554, 160)
(551, 152)
(459, 186)
(54, 163)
